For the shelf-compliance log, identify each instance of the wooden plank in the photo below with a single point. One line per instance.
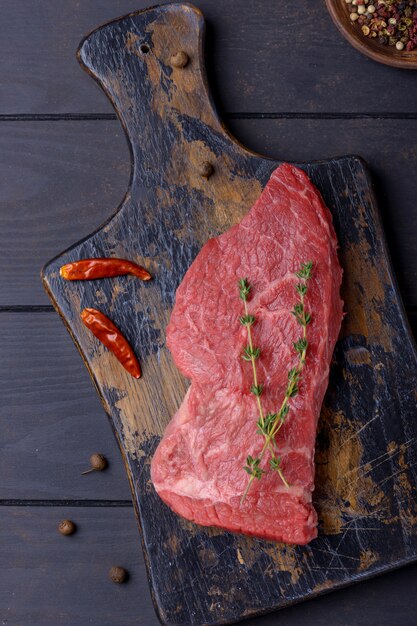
(51, 420)
(263, 57)
(50, 580)
(54, 171)
(60, 181)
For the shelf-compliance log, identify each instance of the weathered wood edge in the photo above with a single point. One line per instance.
(378, 225)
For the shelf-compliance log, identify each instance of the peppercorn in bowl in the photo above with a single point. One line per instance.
(384, 30)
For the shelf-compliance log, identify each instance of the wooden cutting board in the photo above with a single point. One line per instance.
(367, 443)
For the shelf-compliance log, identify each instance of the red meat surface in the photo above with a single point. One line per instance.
(198, 466)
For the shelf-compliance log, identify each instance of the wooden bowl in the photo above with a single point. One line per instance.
(389, 55)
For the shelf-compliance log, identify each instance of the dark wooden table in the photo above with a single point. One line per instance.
(288, 86)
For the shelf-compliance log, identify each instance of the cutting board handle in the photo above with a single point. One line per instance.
(155, 72)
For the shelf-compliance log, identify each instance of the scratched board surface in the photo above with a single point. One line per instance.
(367, 441)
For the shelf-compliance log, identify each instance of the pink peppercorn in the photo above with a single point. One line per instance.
(394, 22)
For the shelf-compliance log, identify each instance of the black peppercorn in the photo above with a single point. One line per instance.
(98, 463)
(118, 574)
(66, 527)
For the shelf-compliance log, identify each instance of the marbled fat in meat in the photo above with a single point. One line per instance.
(198, 466)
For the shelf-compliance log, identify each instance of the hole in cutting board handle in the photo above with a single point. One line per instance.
(144, 48)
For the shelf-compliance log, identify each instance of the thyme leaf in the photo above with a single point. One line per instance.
(252, 467)
(256, 390)
(247, 320)
(249, 353)
(301, 345)
(305, 270)
(244, 289)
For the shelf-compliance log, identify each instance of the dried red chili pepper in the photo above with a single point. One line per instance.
(89, 269)
(112, 338)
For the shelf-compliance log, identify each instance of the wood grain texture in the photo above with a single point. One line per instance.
(51, 420)
(366, 450)
(50, 580)
(50, 190)
(51, 171)
(294, 44)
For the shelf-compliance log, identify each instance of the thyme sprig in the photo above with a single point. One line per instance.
(250, 353)
(270, 423)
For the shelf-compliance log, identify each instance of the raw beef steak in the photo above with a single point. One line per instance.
(198, 466)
